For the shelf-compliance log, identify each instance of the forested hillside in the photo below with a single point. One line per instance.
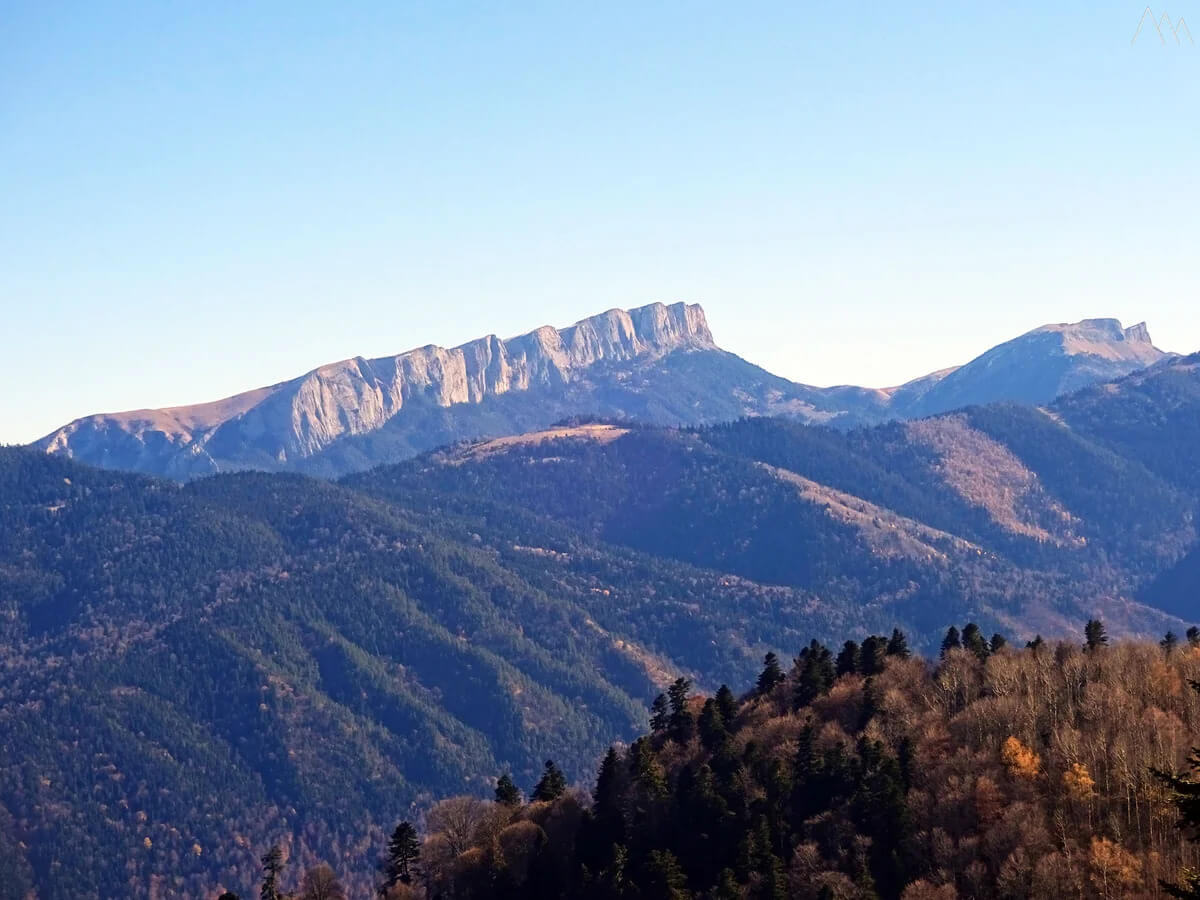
(862, 773)
(191, 672)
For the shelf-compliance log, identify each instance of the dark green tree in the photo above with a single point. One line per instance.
(682, 724)
(952, 640)
(814, 674)
(1193, 636)
(1169, 643)
(898, 644)
(660, 713)
(552, 784)
(1094, 635)
(998, 642)
(772, 674)
(1036, 644)
(507, 792)
(874, 651)
(849, 659)
(402, 851)
(726, 705)
(973, 640)
(272, 865)
(712, 725)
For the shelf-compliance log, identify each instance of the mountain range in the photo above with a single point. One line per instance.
(656, 365)
(192, 671)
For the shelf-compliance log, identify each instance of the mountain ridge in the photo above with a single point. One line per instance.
(657, 363)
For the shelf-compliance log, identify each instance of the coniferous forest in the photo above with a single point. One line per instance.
(1056, 769)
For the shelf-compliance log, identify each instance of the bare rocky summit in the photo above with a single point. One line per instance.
(656, 364)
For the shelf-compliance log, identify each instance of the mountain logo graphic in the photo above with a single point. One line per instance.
(1165, 19)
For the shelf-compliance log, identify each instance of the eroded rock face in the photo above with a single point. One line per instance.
(656, 364)
(299, 418)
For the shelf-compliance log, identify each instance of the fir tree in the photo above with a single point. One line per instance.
(998, 642)
(898, 644)
(660, 713)
(1095, 636)
(726, 705)
(772, 674)
(507, 793)
(1169, 643)
(551, 786)
(972, 639)
(712, 726)
(1193, 636)
(682, 724)
(951, 641)
(402, 852)
(874, 651)
(272, 865)
(849, 659)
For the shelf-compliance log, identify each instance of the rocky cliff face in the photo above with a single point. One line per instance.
(657, 364)
(294, 420)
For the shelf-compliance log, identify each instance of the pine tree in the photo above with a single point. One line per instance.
(814, 676)
(998, 642)
(874, 651)
(951, 641)
(272, 865)
(1095, 636)
(507, 792)
(972, 639)
(849, 659)
(898, 645)
(1036, 644)
(712, 726)
(403, 849)
(772, 674)
(726, 705)
(1193, 636)
(660, 714)
(551, 786)
(682, 724)
(1169, 643)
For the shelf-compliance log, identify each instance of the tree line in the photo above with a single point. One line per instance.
(995, 771)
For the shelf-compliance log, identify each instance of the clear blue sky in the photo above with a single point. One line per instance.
(199, 198)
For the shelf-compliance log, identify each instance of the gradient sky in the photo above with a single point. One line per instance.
(200, 198)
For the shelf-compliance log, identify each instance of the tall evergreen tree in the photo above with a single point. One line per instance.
(552, 784)
(507, 792)
(874, 651)
(712, 725)
(660, 713)
(772, 674)
(403, 849)
(849, 659)
(726, 705)
(1193, 636)
(1169, 643)
(973, 640)
(998, 642)
(682, 724)
(1094, 635)
(272, 865)
(952, 640)
(898, 644)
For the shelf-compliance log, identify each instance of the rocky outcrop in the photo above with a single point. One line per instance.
(278, 425)
(657, 364)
